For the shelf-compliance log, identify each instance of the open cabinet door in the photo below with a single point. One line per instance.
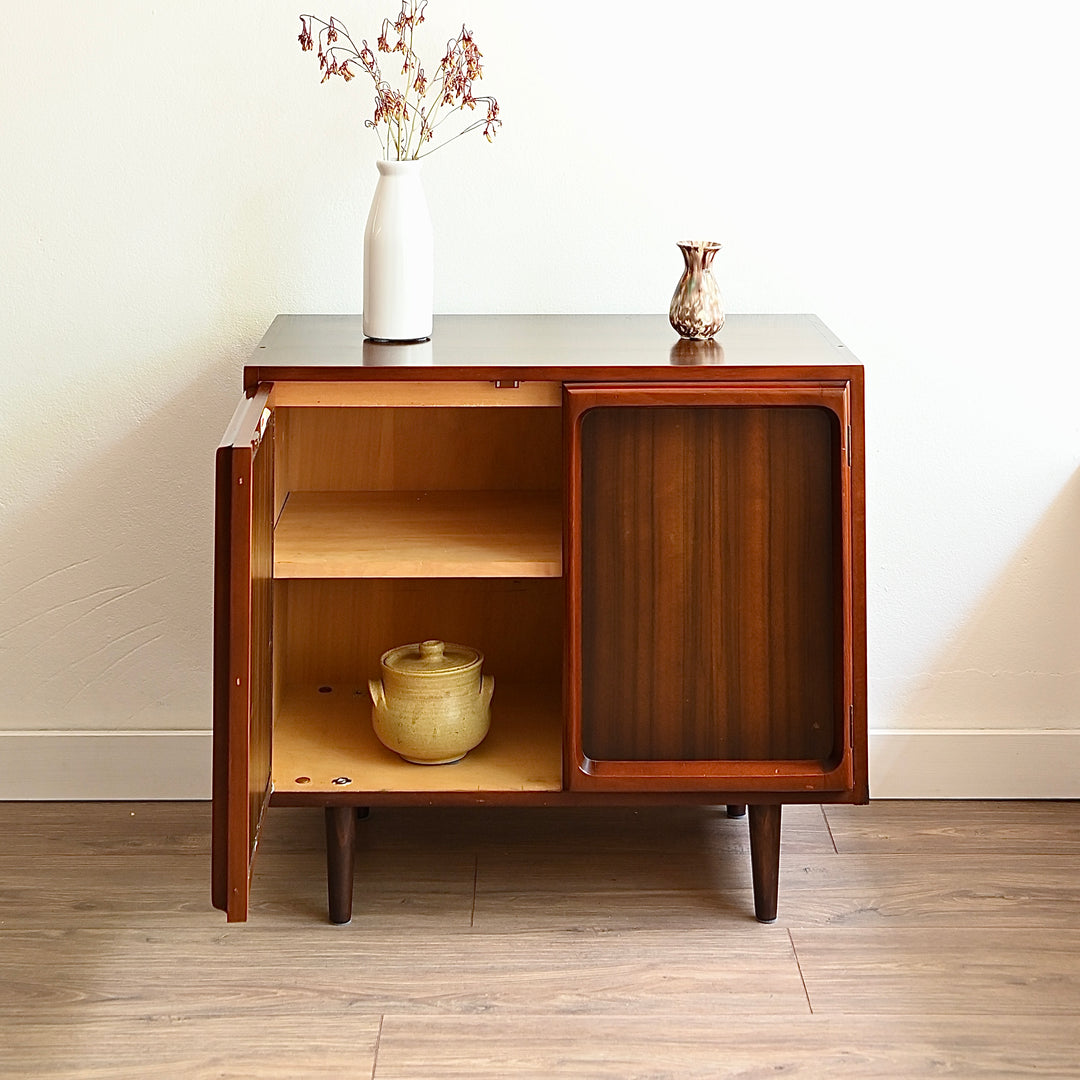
(243, 621)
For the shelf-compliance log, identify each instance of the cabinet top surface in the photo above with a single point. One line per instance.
(324, 347)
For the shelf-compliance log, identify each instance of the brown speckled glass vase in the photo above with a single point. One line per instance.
(697, 308)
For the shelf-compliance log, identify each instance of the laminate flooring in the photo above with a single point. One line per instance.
(914, 940)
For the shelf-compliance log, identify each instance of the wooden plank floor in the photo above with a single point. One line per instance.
(914, 940)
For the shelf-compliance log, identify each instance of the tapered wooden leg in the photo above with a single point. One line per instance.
(340, 842)
(765, 858)
(736, 809)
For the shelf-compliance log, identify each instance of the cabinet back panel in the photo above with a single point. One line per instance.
(419, 449)
(709, 583)
(336, 630)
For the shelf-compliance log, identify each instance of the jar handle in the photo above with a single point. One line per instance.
(375, 688)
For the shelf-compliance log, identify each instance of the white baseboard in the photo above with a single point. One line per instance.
(102, 765)
(904, 764)
(982, 763)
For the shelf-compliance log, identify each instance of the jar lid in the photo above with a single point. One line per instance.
(431, 657)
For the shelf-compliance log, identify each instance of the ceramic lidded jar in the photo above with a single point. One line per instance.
(432, 705)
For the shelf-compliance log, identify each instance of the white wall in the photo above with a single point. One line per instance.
(173, 175)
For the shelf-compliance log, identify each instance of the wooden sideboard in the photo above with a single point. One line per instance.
(658, 546)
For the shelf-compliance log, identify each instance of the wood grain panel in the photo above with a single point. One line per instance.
(254, 975)
(591, 348)
(404, 449)
(110, 949)
(915, 970)
(243, 676)
(612, 891)
(958, 827)
(709, 591)
(337, 630)
(621, 888)
(106, 828)
(213, 1048)
(147, 829)
(926, 890)
(168, 892)
(703, 1048)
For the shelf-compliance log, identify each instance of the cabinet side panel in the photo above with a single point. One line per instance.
(858, 587)
(708, 592)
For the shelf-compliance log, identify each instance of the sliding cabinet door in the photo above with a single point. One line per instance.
(710, 593)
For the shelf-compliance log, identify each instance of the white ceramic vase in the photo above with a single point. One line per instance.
(399, 257)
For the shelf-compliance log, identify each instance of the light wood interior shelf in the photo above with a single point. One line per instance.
(326, 736)
(430, 534)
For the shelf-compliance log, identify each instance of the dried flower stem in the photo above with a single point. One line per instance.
(410, 115)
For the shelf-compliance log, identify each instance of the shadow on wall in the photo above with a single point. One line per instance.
(1016, 661)
(106, 601)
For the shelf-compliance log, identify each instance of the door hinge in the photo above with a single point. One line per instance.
(260, 431)
(851, 724)
(849, 446)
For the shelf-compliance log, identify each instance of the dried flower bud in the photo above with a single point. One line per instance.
(331, 33)
(493, 123)
(470, 53)
(305, 40)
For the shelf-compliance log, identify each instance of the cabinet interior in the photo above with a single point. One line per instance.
(397, 524)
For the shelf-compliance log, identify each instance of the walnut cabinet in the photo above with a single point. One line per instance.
(658, 546)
